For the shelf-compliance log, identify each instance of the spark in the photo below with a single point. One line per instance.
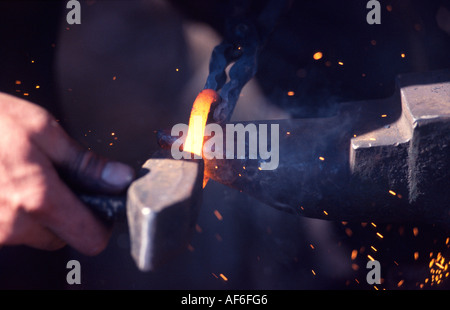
(223, 277)
(348, 232)
(218, 237)
(439, 265)
(321, 158)
(380, 235)
(340, 63)
(403, 55)
(218, 215)
(392, 192)
(290, 93)
(317, 55)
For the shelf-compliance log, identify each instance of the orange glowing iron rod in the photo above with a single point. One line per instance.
(197, 121)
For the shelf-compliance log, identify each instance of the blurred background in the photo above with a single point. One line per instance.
(133, 67)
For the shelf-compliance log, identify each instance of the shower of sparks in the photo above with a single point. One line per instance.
(438, 270)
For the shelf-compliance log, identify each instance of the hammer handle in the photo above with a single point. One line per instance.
(107, 208)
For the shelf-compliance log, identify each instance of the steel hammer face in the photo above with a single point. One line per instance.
(162, 209)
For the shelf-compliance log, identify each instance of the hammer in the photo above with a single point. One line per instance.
(161, 207)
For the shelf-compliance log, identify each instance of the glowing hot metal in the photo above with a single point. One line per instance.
(197, 121)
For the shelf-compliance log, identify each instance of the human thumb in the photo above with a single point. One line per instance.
(90, 172)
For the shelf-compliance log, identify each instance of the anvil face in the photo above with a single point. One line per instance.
(412, 155)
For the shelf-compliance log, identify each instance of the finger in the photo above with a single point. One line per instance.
(94, 173)
(29, 232)
(67, 218)
(43, 239)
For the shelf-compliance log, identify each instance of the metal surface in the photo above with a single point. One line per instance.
(162, 209)
(412, 155)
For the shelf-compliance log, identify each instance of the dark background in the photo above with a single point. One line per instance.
(141, 42)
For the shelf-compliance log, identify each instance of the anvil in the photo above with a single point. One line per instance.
(378, 160)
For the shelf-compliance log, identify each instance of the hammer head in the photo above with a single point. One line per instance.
(162, 208)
